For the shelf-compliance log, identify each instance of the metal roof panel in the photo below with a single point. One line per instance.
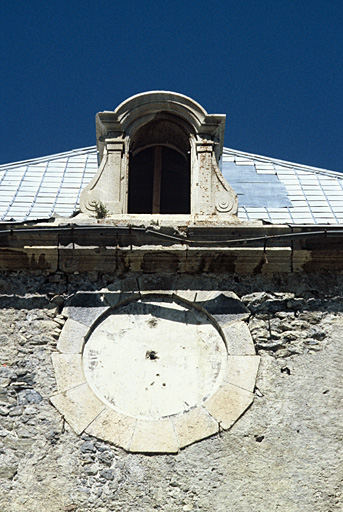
(267, 188)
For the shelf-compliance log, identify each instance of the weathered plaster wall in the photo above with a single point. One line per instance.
(285, 453)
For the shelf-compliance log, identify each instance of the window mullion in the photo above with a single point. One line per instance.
(156, 199)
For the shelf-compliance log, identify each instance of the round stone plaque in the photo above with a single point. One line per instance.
(154, 372)
(153, 359)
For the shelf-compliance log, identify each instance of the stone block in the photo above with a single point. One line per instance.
(187, 283)
(186, 295)
(194, 425)
(122, 292)
(72, 337)
(130, 284)
(68, 370)
(86, 299)
(242, 371)
(225, 307)
(157, 283)
(238, 339)
(114, 427)
(130, 260)
(156, 259)
(111, 298)
(84, 315)
(29, 258)
(301, 259)
(119, 298)
(203, 296)
(115, 286)
(154, 436)
(75, 258)
(228, 403)
(79, 406)
(278, 259)
(254, 260)
(127, 297)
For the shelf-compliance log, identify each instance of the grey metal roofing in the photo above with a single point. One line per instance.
(269, 189)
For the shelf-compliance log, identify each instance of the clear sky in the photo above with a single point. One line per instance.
(274, 67)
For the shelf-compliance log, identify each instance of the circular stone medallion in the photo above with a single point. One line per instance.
(154, 358)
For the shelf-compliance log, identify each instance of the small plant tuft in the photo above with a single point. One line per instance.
(100, 210)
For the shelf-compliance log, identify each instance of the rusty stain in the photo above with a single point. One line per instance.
(223, 263)
(324, 261)
(263, 261)
(12, 259)
(160, 262)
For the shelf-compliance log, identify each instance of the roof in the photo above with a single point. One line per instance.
(272, 190)
(283, 192)
(45, 187)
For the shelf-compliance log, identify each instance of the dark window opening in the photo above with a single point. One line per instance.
(159, 181)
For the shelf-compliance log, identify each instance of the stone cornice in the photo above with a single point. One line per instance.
(243, 249)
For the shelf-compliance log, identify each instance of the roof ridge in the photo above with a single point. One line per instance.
(285, 163)
(46, 158)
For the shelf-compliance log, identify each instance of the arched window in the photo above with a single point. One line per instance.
(159, 169)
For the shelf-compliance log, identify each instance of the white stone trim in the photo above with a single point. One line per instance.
(220, 410)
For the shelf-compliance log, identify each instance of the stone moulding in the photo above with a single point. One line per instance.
(156, 370)
(106, 248)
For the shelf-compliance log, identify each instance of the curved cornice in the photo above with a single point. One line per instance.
(138, 110)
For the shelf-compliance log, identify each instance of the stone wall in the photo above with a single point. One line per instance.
(285, 453)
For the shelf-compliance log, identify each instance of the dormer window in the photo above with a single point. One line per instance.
(159, 169)
(159, 181)
(159, 154)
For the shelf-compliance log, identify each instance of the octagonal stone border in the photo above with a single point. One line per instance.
(85, 412)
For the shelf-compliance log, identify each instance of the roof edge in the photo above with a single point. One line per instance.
(284, 163)
(54, 156)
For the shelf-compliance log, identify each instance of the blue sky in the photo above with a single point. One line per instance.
(275, 68)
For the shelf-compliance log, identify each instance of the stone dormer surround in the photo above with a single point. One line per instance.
(119, 132)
